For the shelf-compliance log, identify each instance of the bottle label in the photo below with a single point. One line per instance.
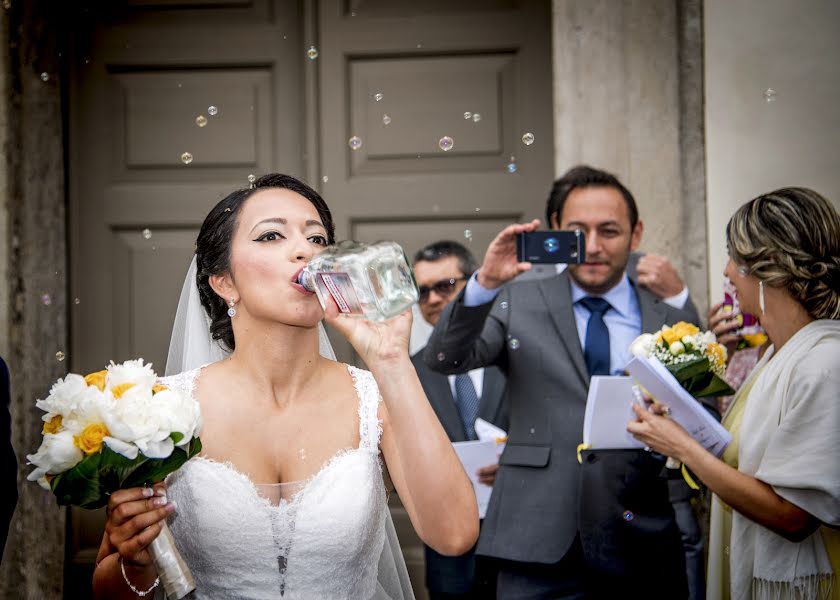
(341, 289)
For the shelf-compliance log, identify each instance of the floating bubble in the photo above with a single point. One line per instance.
(468, 234)
(476, 117)
(355, 142)
(435, 207)
(477, 209)
(312, 53)
(7, 4)
(446, 143)
(252, 178)
(147, 234)
(511, 167)
(378, 96)
(770, 95)
(628, 515)
(186, 158)
(513, 344)
(528, 138)
(503, 305)
(76, 301)
(441, 356)
(46, 300)
(45, 76)
(386, 120)
(60, 356)
(201, 120)
(325, 179)
(419, 45)
(467, 115)
(212, 111)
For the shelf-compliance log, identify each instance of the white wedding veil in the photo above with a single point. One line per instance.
(192, 346)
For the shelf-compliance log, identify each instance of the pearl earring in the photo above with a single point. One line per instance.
(761, 296)
(231, 310)
(743, 270)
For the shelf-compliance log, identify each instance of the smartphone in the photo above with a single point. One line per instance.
(552, 246)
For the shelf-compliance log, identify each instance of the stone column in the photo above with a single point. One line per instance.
(33, 562)
(628, 98)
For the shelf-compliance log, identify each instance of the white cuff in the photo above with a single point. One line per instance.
(677, 300)
(476, 294)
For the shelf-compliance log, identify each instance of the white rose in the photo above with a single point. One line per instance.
(184, 412)
(63, 396)
(131, 371)
(57, 454)
(643, 345)
(676, 348)
(136, 418)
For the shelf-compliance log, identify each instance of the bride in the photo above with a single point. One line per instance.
(288, 496)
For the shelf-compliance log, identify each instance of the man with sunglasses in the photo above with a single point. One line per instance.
(441, 270)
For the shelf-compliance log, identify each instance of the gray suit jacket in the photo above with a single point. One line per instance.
(530, 333)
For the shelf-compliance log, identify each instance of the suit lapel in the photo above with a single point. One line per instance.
(557, 295)
(440, 395)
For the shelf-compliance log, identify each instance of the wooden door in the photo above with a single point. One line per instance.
(292, 83)
(424, 109)
(149, 157)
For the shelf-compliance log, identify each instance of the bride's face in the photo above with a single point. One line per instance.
(277, 233)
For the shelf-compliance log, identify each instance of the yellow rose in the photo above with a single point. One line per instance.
(717, 354)
(677, 332)
(159, 387)
(53, 425)
(119, 390)
(97, 379)
(89, 440)
(755, 339)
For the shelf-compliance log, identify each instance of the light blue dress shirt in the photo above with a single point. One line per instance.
(623, 319)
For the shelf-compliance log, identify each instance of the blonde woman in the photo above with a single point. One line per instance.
(777, 490)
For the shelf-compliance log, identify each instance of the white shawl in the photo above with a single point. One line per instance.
(790, 439)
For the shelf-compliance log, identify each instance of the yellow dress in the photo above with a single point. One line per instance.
(717, 587)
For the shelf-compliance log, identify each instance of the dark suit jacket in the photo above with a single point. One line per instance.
(456, 574)
(8, 462)
(543, 499)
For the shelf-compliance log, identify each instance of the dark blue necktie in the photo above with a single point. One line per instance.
(596, 348)
(466, 399)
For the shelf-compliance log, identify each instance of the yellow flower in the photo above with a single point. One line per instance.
(159, 387)
(717, 353)
(89, 440)
(755, 339)
(97, 379)
(119, 390)
(53, 425)
(678, 331)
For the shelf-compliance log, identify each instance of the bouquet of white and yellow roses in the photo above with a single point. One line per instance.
(694, 358)
(113, 429)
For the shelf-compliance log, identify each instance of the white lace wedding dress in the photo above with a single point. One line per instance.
(332, 539)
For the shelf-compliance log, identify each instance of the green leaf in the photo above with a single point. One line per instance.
(176, 436)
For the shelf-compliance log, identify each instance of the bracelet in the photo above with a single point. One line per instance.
(140, 593)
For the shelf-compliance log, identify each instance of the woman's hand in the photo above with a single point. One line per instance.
(661, 434)
(374, 341)
(135, 518)
(723, 325)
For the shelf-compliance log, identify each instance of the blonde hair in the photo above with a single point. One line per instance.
(790, 239)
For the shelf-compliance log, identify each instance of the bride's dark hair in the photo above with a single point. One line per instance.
(212, 248)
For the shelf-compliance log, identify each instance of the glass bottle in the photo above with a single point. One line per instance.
(372, 281)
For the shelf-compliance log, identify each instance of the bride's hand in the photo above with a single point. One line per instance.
(374, 341)
(134, 521)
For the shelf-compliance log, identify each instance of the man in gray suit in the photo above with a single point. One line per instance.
(441, 270)
(559, 529)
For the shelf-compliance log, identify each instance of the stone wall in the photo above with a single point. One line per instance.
(36, 278)
(628, 97)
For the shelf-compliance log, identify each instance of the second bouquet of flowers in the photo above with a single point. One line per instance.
(694, 358)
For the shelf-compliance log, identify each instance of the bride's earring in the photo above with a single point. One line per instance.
(231, 310)
(761, 296)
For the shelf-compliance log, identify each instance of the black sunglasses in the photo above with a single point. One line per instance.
(444, 287)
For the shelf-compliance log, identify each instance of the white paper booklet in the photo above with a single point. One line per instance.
(608, 412)
(685, 410)
(474, 455)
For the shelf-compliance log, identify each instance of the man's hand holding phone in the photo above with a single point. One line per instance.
(501, 263)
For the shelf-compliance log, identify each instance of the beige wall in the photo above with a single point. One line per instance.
(755, 146)
(5, 292)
